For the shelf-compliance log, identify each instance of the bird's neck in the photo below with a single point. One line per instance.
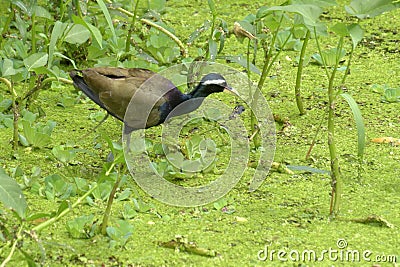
(184, 103)
(198, 92)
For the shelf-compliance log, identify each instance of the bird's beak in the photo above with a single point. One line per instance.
(230, 90)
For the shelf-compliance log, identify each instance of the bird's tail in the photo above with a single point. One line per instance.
(80, 84)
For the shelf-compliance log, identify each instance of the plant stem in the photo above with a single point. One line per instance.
(64, 212)
(337, 182)
(6, 26)
(15, 108)
(315, 137)
(320, 52)
(111, 196)
(131, 28)
(214, 17)
(253, 118)
(297, 88)
(107, 212)
(6, 260)
(168, 33)
(268, 63)
(347, 72)
(62, 9)
(248, 60)
(78, 8)
(7, 82)
(47, 80)
(33, 33)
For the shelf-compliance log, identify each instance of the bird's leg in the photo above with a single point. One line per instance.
(127, 132)
(97, 126)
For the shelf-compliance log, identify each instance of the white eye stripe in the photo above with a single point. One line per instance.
(219, 82)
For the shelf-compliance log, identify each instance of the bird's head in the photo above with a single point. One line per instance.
(212, 83)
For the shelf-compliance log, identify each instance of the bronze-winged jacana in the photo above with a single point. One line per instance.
(113, 88)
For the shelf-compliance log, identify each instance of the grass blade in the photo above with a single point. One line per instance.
(108, 18)
(359, 123)
(58, 29)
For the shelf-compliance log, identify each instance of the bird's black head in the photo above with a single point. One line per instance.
(211, 83)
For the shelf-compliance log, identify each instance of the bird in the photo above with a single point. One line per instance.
(154, 96)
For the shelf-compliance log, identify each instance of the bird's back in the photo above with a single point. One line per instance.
(113, 89)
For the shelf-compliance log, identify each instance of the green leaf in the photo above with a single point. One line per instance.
(36, 60)
(363, 9)
(140, 205)
(33, 136)
(55, 186)
(21, 48)
(81, 227)
(359, 123)
(191, 166)
(213, 49)
(157, 40)
(67, 58)
(63, 206)
(124, 195)
(81, 184)
(39, 215)
(340, 29)
(330, 56)
(242, 61)
(29, 131)
(8, 68)
(63, 154)
(78, 34)
(356, 33)
(262, 12)
(220, 203)
(29, 116)
(176, 159)
(391, 95)
(5, 104)
(11, 194)
(96, 34)
(41, 12)
(320, 3)
(21, 5)
(354, 30)
(309, 13)
(128, 212)
(22, 26)
(119, 234)
(58, 29)
(196, 34)
(108, 19)
(156, 5)
(213, 10)
(44, 70)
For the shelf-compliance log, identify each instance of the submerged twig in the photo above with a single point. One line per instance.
(168, 33)
(47, 80)
(181, 243)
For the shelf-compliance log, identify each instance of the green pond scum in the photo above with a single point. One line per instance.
(286, 221)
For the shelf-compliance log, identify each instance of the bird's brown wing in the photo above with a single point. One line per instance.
(115, 88)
